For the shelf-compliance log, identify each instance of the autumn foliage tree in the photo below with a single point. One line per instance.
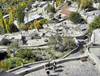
(7, 25)
(2, 22)
(23, 27)
(3, 65)
(11, 17)
(36, 24)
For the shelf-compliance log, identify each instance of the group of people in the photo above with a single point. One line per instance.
(47, 67)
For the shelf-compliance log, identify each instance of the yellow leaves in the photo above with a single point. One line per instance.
(46, 22)
(35, 21)
(23, 26)
(9, 8)
(22, 4)
(31, 26)
(58, 2)
(5, 21)
(29, 1)
(14, 8)
(12, 1)
(53, 2)
(3, 65)
(36, 24)
(11, 17)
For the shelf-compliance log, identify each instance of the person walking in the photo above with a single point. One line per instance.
(48, 65)
(54, 66)
(45, 66)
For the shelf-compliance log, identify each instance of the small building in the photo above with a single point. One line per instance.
(32, 18)
(64, 13)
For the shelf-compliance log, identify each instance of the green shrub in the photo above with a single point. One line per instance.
(95, 24)
(76, 17)
(25, 54)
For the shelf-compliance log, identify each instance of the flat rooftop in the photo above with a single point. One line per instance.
(70, 68)
(95, 51)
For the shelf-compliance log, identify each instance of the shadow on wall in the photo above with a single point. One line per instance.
(59, 70)
(54, 75)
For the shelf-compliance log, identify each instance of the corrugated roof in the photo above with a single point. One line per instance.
(66, 12)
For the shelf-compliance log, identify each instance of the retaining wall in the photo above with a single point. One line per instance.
(41, 66)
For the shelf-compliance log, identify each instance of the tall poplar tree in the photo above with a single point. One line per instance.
(11, 17)
(2, 22)
(20, 14)
(7, 25)
(78, 2)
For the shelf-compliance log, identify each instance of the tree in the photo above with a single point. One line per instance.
(7, 25)
(10, 27)
(50, 8)
(43, 21)
(2, 22)
(13, 28)
(58, 2)
(78, 2)
(95, 24)
(29, 1)
(20, 14)
(11, 17)
(13, 47)
(1, 30)
(53, 3)
(23, 27)
(36, 24)
(86, 4)
(75, 17)
(25, 54)
(31, 26)
(60, 43)
(3, 65)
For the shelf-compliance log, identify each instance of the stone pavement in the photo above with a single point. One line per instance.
(70, 68)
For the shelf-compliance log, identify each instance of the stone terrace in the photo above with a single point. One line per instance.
(70, 68)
